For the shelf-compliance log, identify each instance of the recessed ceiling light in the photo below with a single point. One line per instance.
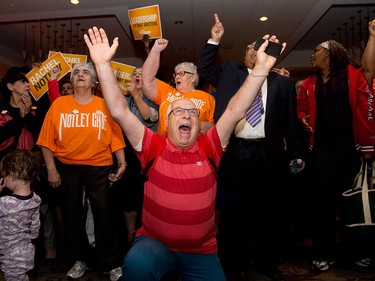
(75, 2)
(263, 18)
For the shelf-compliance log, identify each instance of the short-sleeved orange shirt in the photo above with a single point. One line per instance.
(81, 134)
(167, 94)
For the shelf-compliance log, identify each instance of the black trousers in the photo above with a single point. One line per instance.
(75, 178)
(332, 172)
(251, 225)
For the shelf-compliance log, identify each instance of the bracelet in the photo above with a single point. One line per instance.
(260, 75)
(120, 164)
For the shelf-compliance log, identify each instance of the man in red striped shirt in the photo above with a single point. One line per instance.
(178, 219)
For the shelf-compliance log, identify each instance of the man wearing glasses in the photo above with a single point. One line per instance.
(178, 218)
(186, 79)
(178, 111)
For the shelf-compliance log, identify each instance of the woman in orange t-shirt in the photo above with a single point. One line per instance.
(78, 138)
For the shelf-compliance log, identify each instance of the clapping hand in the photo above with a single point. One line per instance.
(25, 105)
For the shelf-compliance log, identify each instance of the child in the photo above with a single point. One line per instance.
(19, 214)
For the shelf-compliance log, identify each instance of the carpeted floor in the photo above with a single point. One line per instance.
(302, 272)
(295, 267)
(292, 271)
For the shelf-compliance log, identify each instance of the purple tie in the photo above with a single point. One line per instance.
(254, 113)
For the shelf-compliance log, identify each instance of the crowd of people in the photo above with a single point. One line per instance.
(194, 178)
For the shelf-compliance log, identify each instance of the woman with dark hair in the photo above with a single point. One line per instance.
(334, 102)
(19, 119)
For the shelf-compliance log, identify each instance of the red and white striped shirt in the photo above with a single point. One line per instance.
(179, 196)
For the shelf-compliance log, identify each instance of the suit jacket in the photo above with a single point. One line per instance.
(281, 122)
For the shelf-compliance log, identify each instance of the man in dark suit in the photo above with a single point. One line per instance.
(255, 164)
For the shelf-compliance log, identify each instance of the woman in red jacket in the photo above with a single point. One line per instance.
(336, 105)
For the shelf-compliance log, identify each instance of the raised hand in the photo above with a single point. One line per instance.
(262, 59)
(217, 31)
(98, 44)
(55, 72)
(160, 44)
(371, 28)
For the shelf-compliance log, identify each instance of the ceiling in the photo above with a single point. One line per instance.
(300, 23)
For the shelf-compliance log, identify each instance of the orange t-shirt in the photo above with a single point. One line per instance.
(81, 134)
(167, 94)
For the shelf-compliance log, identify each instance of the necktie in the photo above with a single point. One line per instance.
(254, 113)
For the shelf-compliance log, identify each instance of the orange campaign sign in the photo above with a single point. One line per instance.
(71, 59)
(39, 76)
(122, 73)
(145, 20)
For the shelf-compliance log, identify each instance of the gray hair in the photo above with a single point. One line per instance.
(191, 67)
(169, 109)
(90, 67)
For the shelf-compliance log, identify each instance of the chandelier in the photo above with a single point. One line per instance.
(59, 35)
(353, 33)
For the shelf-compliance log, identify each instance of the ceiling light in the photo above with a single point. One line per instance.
(263, 19)
(75, 2)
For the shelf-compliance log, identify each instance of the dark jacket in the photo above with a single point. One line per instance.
(281, 123)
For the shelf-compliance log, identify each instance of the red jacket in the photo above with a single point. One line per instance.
(361, 99)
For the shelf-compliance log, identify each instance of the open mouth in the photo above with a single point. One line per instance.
(184, 129)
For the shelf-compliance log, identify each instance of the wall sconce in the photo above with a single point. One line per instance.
(75, 2)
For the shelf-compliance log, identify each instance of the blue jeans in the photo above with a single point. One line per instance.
(148, 260)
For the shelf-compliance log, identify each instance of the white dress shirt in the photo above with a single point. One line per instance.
(244, 130)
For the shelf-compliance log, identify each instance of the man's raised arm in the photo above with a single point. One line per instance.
(368, 58)
(245, 95)
(151, 67)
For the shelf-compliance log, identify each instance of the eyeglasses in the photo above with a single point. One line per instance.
(136, 73)
(181, 73)
(179, 111)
